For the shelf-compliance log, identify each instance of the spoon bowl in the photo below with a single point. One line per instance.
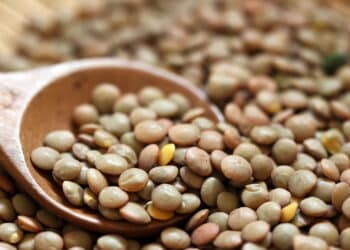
(33, 103)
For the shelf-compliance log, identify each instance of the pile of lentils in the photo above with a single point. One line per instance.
(136, 157)
(274, 175)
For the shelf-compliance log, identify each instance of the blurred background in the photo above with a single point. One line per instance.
(286, 38)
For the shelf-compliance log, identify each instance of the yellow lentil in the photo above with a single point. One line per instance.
(158, 214)
(166, 154)
(332, 141)
(289, 211)
(274, 107)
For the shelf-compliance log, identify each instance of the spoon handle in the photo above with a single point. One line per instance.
(16, 90)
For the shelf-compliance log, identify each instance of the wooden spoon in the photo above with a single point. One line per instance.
(33, 103)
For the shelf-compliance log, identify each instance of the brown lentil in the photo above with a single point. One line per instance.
(255, 231)
(210, 190)
(263, 135)
(236, 168)
(149, 131)
(166, 197)
(133, 180)
(228, 240)
(175, 238)
(326, 231)
(262, 166)
(315, 148)
(216, 157)
(211, 140)
(61, 140)
(270, 212)
(112, 197)
(184, 134)
(163, 174)
(227, 201)
(126, 103)
(231, 138)
(281, 175)
(220, 219)
(134, 213)
(148, 157)
(198, 161)
(67, 169)
(110, 241)
(104, 139)
(241, 217)
(111, 164)
(340, 193)
(323, 189)
(284, 151)
(254, 195)
(73, 192)
(313, 207)
(24, 205)
(45, 157)
(344, 239)
(190, 178)
(302, 242)
(48, 240)
(204, 234)
(96, 180)
(247, 150)
(302, 182)
(190, 203)
(197, 219)
(280, 196)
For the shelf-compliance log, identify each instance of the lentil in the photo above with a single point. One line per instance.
(184, 134)
(210, 190)
(283, 235)
(149, 131)
(241, 217)
(135, 213)
(289, 212)
(326, 231)
(112, 197)
(220, 219)
(228, 240)
(148, 157)
(166, 197)
(61, 140)
(175, 238)
(205, 234)
(313, 207)
(158, 214)
(163, 174)
(236, 168)
(198, 161)
(133, 180)
(166, 154)
(45, 157)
